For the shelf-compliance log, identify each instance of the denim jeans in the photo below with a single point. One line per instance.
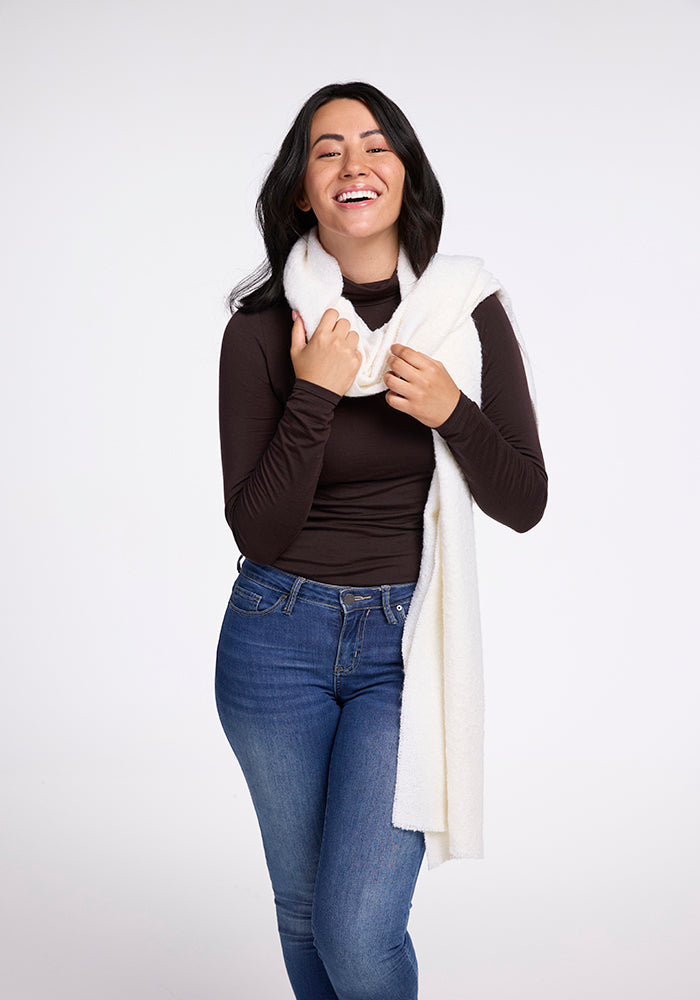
(308, 688)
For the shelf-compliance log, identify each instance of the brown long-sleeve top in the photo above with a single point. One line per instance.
(333, 488)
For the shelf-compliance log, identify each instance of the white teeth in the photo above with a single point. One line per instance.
(350, 195)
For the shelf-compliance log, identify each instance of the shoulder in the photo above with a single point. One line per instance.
(462, 280)
(252, 334)
(455, 265)
(492, 322)
(456, 260)
(491, 310)
(263, 327)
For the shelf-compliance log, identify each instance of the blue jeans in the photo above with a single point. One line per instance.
(308, 688)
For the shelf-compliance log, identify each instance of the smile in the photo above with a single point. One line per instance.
(353, 197)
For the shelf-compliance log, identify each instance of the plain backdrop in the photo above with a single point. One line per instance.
(135, 136)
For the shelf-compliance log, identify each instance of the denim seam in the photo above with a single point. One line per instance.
(248, 594)
(386, 605)
(256, 614)
(337, 669)
(285, 593)
(361, 637)
(359, 644)
(263, 583)
(293, 594)
(318, 604)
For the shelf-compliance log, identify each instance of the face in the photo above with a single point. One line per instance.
(353, 180)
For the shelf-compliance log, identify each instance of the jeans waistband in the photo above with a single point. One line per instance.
(347, 597)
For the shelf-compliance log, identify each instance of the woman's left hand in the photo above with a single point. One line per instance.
(420, 386)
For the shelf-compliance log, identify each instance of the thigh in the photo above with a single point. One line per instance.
(275, 701)
(368, 867)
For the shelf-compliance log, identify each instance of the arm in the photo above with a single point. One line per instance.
(497, 447)
(271, 450)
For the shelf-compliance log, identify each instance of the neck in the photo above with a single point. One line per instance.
(373, 258)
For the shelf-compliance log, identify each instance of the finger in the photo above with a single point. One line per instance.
(398, 385)
(353, 338)
(396, 401)
(342, 327)
(402, 368)
(329, 319)
(407, 354)
(298, 335)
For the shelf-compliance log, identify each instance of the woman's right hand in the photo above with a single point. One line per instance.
(330, 358)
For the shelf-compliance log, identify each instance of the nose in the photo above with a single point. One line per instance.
(354, 164)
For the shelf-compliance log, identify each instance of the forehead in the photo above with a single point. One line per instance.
(342, 117)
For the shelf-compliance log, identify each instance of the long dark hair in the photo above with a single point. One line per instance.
(281, 222)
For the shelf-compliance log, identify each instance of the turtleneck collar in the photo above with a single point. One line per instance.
(374, 301)
(372, 291)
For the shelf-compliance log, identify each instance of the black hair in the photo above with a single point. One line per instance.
(282, 222)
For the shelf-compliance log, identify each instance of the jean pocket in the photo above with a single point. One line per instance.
(253, 598)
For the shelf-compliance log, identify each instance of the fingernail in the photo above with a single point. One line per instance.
(295, 315)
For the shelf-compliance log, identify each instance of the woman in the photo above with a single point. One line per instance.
(349, 450)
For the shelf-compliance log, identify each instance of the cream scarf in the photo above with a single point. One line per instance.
(439, 785)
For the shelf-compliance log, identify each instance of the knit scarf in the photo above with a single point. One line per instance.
(439, 784)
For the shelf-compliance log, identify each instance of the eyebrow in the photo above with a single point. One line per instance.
(341, 138)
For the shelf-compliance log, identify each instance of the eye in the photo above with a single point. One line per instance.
(321, 156)
(378, 149)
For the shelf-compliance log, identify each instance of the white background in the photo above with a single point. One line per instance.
(135, 136)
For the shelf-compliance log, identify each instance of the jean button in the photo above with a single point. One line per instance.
(348, 599)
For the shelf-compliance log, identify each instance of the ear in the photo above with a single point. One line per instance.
(303, 202)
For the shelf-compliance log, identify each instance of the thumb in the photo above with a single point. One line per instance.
(298, 334)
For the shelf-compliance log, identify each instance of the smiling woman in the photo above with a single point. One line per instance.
(369, 389)
(282, 220)
(354, 186)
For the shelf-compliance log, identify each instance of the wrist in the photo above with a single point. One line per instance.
(312, 388)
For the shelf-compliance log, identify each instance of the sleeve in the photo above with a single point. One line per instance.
(271, 450)
(497, 446)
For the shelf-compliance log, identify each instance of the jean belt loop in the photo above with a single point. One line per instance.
(238, 564)
(291, 600)
(386, 604)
